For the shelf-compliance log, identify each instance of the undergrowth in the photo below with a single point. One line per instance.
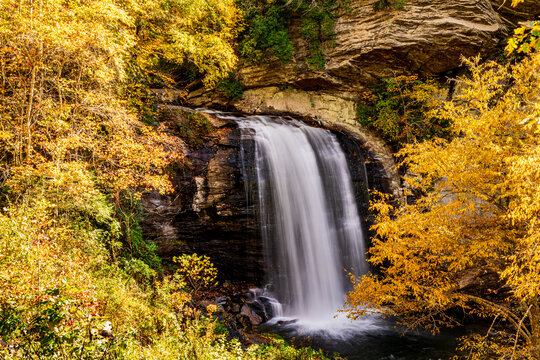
(266, 36)
(399, 110)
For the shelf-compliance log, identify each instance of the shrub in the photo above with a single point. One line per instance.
(198, 271)
(232, 87)
(398, 109)
(265, 37)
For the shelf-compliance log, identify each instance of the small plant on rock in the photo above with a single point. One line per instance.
(198, 272)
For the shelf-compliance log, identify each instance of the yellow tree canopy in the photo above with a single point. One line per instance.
(479, 212)
(63, 65)
(71, 144)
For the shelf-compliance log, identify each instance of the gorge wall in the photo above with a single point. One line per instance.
(424, 38)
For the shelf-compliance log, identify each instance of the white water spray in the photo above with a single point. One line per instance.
(310, 225)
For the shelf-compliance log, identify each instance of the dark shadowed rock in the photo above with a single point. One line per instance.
(248, 312)
(208, 213)
(526, 11)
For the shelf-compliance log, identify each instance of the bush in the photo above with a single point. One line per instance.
(232, 87)
(265, 37)
(317, 26)
(398, 109)
(197, 271)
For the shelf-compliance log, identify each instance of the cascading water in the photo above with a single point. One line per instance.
(310, 225)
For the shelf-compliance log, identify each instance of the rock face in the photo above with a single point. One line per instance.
(425, 37)
(333, 110)
(208, 214)
(214, 211)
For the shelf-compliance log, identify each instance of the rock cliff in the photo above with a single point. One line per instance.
(425, 37)
(210, 213)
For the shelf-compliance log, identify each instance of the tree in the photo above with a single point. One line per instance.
(199, 32)
(71, 145)
(478, 214)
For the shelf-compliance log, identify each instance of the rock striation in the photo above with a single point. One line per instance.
(425, 37)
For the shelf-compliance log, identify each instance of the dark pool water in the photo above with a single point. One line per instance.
(369, 339)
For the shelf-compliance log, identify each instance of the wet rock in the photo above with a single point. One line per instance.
(221, 300)
(259, 309)
(483, 283)
(235, 308)
(247, 312)
(214, 209)
(286, 322)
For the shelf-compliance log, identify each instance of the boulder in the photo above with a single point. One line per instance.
(249, 312)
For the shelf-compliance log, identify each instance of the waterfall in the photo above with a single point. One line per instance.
(309, 220)
(298, 179)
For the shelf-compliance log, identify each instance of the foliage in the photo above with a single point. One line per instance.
(397, 107)
(317, 26)
(278, 349)
(232, 87)
(193, 127)
(179, 31)
(526, 39)
(478, 215)
(265, 37)
(197, 271)
(139, 253)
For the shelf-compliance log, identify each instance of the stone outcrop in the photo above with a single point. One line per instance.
(425, 37)
(214, 210)
(208, 214)
(333, 110)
